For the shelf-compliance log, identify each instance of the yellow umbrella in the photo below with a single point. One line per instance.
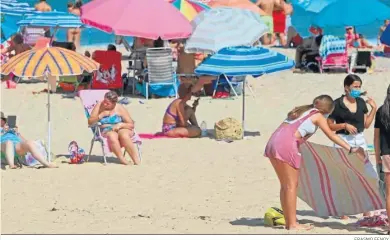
(45, 62)
(49, 61)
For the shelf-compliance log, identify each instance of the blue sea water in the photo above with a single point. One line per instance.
(89, 36)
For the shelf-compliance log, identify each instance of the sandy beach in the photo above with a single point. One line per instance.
(183, 186)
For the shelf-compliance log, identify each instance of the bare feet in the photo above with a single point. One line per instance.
(344, 217)
(305, 227)
(51, 165)
(13, 167)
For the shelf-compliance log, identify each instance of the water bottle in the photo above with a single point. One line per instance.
(203, 127)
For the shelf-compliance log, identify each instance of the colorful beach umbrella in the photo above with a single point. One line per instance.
(352, 13)
(52, 19)
(16, 8)
(243, 61)
(243, 4)
(223, 27)
(189, 8)
(49, 61)
(149, 19)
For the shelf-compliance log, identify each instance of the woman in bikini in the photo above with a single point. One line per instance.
(116, 125)
(179, 118)
(12, 143)
(283, 150)
(74, 34)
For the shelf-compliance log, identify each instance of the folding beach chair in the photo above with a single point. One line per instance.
(32, 34)
(89, 99)
(333, 54)
(232, 82)
(160, 73)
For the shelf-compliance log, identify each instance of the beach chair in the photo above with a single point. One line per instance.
(89, 99)
(232, 82)
(333, 54)
(160, 78)
(32, 34)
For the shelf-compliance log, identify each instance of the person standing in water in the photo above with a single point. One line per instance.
(74, 34)
(351, 116)
(283, 150)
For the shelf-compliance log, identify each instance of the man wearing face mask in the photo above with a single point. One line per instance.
(310, 47)
(351, 116)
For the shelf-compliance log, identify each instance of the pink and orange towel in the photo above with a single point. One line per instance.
(334, 183)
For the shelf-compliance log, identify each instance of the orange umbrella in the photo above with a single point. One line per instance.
(245, 4)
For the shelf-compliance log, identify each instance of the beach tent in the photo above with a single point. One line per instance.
(243, 61)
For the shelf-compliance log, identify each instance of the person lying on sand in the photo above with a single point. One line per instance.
(13, 143)
(179, 118)
(116, 125)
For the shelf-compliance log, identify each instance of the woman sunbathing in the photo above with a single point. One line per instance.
(12, 144)
(117, 125)
(178, 114)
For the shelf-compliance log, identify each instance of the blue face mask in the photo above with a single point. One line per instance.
(355, 93)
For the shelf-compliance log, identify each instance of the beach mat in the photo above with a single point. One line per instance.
(334, 183)
(150, 136)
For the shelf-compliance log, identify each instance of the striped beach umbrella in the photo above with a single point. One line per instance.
(243, 61)
(49, 61)
(189, 8)
(14, 7)
(52, 19)
(223, 27)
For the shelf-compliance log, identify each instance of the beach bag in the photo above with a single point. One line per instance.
(29, 160)
(76, 153)
(228, 128)
(274, 217)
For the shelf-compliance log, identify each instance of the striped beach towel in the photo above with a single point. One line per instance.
(334, 183)
(332, 45)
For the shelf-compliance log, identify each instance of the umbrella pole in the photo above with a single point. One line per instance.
(48, 121)
(243, 108)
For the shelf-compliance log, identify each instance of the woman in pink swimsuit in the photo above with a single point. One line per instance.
(283, 150)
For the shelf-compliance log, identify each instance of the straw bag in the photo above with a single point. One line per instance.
(228, 128)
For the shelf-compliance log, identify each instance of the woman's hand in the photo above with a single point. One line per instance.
(351, 129)
(359, 151)
(117, 127)
(371, 102)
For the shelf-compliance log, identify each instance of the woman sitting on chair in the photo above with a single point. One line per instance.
(179, 118)
(117, 125)
(12, 144)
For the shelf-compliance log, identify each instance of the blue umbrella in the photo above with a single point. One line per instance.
(243, 61)
(224, 27)
(352, 13)
(13, 7)
(52, 19)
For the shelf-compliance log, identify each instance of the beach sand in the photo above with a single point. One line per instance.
(184, 186)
